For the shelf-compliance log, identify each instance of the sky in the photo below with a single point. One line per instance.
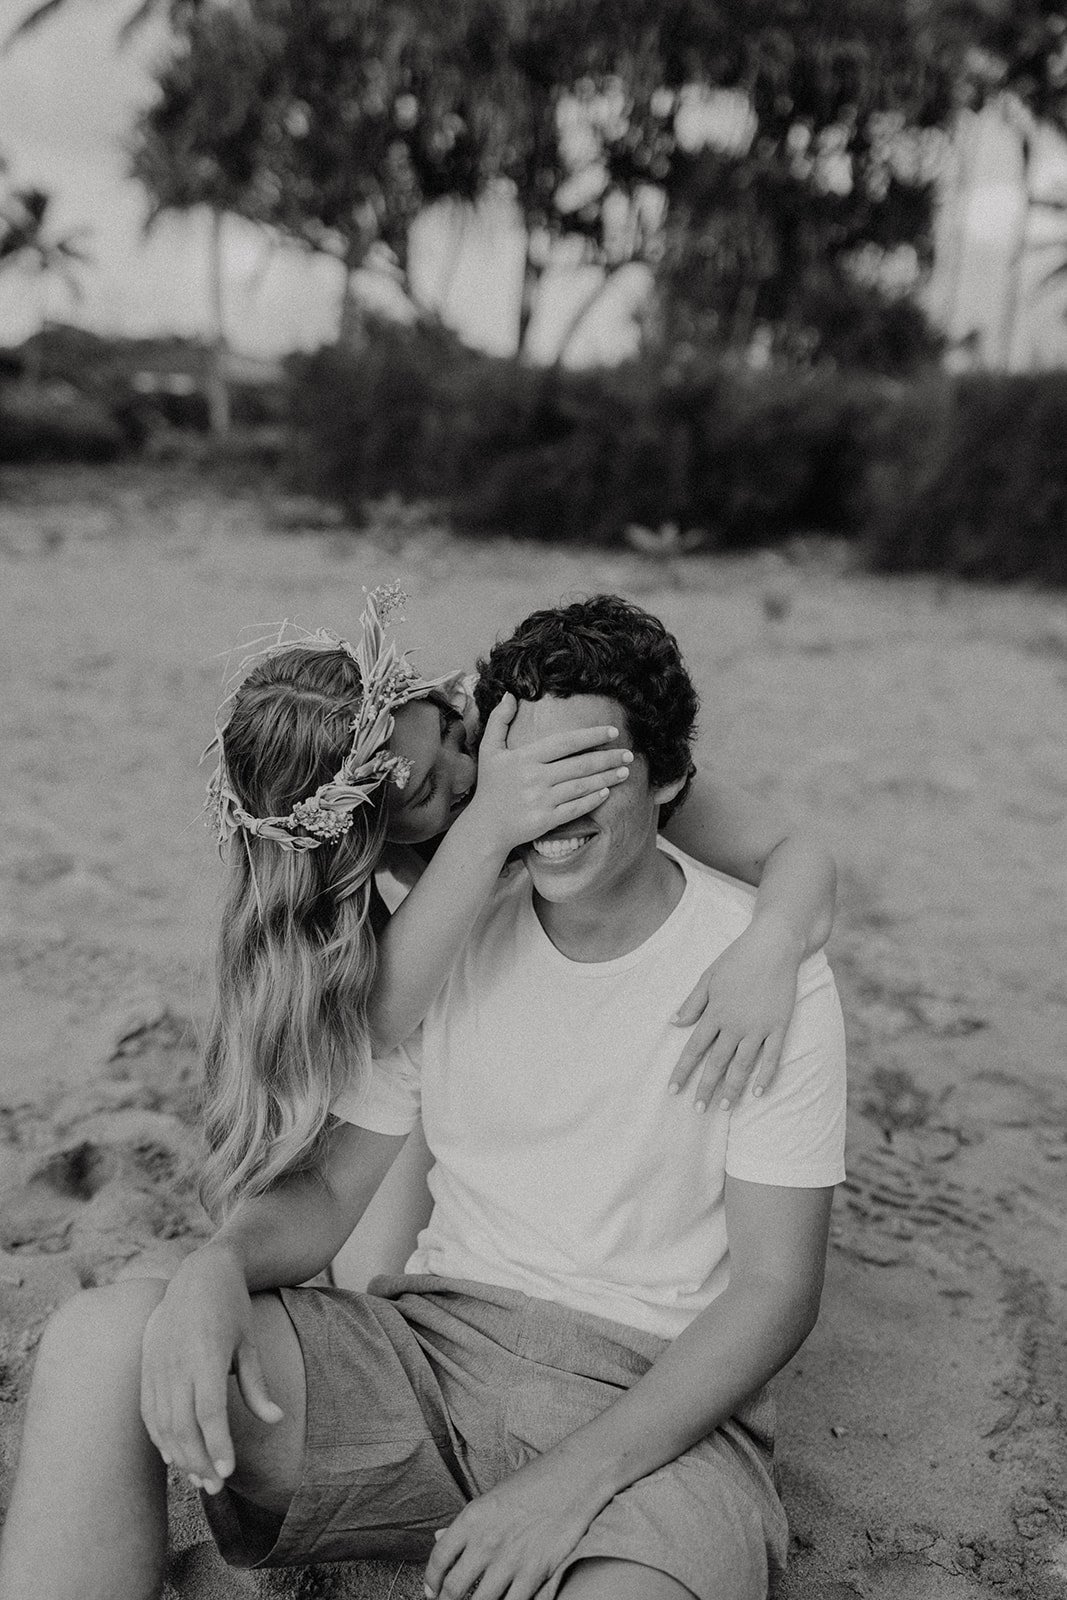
(68, 95)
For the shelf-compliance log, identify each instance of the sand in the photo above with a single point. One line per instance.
(919, 724)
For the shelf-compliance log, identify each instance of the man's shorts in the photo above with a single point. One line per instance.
(425, 1392)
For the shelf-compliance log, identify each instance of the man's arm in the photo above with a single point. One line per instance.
(527, 1526)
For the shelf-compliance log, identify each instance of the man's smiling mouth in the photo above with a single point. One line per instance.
(557, 849)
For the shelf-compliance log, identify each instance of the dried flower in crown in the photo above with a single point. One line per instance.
(389, 682)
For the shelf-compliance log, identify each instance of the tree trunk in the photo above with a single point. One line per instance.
(352, 327)
(531, 283)
(218, 392)
(1013, 290)
(588, 305)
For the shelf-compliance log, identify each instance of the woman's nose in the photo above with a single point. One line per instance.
(464, 773)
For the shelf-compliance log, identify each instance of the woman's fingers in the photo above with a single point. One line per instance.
(498, 722)
(213, 1416)
(590, 763)
(556, 746)
(253, 1384)
(578, 788)
(183, 1437)
(717, 1060)
(737, 1075)
(578, 808)
(768, 1061)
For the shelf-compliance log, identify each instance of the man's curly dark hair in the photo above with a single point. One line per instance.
(605, 646)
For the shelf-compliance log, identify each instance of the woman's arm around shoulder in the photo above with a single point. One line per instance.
(740, 1009)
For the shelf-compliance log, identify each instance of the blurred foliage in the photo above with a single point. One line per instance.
(29, 243)
(579, 455)
(89, 396)
(56, 423)
(963, 475)
(969, 476)
(338, 121)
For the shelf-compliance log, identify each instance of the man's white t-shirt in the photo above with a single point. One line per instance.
(563, 1167)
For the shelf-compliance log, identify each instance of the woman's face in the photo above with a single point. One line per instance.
(433, 739)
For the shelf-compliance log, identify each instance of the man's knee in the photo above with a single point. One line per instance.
(270, 1456)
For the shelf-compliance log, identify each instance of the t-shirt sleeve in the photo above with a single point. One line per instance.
(794, 1134)
(389, 1099)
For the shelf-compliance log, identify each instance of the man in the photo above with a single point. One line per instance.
(566, 1391)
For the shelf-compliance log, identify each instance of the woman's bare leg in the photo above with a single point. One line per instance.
(88, 1517)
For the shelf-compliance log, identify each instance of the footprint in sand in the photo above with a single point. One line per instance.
(899, 1195)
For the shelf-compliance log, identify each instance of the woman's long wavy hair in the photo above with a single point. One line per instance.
(296, 955)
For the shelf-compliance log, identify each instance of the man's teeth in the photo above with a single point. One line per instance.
(557, 849)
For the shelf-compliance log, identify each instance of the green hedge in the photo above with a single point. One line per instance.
(965, 475)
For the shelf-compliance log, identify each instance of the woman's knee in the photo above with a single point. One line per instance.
(100, 1323)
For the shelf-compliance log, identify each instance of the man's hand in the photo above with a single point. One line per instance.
(510, 1540)
(199, 1331)
(525, 792)
(742, 1006)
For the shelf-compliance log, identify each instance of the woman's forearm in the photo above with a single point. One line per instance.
(291, 1233)
(798, 890)
(792, 871)
(422, 938)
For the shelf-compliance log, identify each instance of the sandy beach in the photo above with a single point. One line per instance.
(919, 724)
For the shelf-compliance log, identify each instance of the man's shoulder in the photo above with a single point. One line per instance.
(712, 895)
(722, 906)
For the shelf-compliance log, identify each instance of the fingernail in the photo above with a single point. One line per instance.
(614, 732)
(222, 1468)
(622, 772)
(700, 1106)
(724, 1104)
(197, 1483)
(757, 1091)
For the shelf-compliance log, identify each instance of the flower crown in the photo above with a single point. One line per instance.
(389, 681)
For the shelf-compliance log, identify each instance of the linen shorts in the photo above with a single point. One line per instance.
(424, 1392)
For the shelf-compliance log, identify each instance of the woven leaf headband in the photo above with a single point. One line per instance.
(389, 682)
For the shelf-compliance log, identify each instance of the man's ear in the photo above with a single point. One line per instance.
(667, 791)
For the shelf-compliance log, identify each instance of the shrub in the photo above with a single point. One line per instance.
(963, 475)
(55, 423)
(969, 476)
(576, 456)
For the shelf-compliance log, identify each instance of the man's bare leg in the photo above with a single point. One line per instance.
(88, 1516)
(600, 1578)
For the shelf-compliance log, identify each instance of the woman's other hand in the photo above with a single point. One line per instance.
(524, 793)
(201, 1330)
(739, 1012)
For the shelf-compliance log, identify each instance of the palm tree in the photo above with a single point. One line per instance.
(28, 244)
